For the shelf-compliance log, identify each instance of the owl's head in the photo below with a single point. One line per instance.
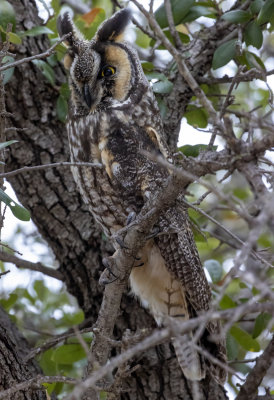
(105, 71)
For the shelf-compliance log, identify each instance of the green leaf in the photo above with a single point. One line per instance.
(193, 151)
(142, 39)
(244, 339)
(253, 61)
(196, 116)
(200, 236)
(266, 12)
(227, 302)
(215, 270)
(52, 60)
(179, 8)
(163, 86)
(147, 66)
(9, 72)
(256, 6)
(46, 69)
(7, 15)
(224, 53)
(253, 35)
(50, 387)
(48, 366)
(65, 91)
(261, 323)
(232, 347)
(236, 16)
(8, 303)
(162, 107)
(199, 11)
(242, 193)
(68, 354)
(52, 25)
(5, 144)
(38, 30)
(41, 290)
(55, 4)
(266, 240)
(74, 319)
(13, 38)
(62, 108)
(156, 75)
(18, 211)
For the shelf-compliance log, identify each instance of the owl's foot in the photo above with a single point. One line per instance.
(108, 275)
(131, 217)
(155, 232)
(139, 265)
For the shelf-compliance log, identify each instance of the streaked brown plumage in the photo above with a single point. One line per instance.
(113, 116)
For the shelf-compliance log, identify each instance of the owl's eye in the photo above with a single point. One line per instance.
(108, 71)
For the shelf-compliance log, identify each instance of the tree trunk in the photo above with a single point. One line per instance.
(13, 349)
(64, 221)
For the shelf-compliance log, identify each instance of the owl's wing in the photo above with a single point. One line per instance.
(179, 251)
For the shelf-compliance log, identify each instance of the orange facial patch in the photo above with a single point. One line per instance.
(118, 58)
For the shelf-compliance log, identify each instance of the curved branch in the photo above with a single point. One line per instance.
(249, 388)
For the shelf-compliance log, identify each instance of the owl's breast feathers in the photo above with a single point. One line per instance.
(115, 139)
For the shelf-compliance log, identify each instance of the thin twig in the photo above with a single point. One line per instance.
(4, 273)
(52, 165)
(36, 57)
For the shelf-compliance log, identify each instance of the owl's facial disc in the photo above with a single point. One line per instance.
(87, 90)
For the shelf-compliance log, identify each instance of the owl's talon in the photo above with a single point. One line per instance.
(131, 217)
(155, 232)
(106, 264)
(121, 243)
(105, 281)
(107, 275)
(139, 265)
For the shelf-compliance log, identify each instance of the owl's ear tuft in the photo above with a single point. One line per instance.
(65, 26)
(113, 28)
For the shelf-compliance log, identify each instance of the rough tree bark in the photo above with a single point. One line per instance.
(13, 349)
(62, 218)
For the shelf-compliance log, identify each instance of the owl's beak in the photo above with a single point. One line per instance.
(87, 96)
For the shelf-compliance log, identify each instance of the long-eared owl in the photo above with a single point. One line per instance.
(113, 117)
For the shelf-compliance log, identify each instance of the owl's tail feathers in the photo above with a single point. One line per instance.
(188, 358)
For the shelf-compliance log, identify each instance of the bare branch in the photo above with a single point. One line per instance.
(256, 375)
(247, 76)
(30, 265)
(171, 24)
(52, 165)
(3, 273)
(36, 57)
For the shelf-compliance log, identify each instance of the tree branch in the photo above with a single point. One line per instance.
(30, 265)
(35, 57)
(249, 388)
(52, 165)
